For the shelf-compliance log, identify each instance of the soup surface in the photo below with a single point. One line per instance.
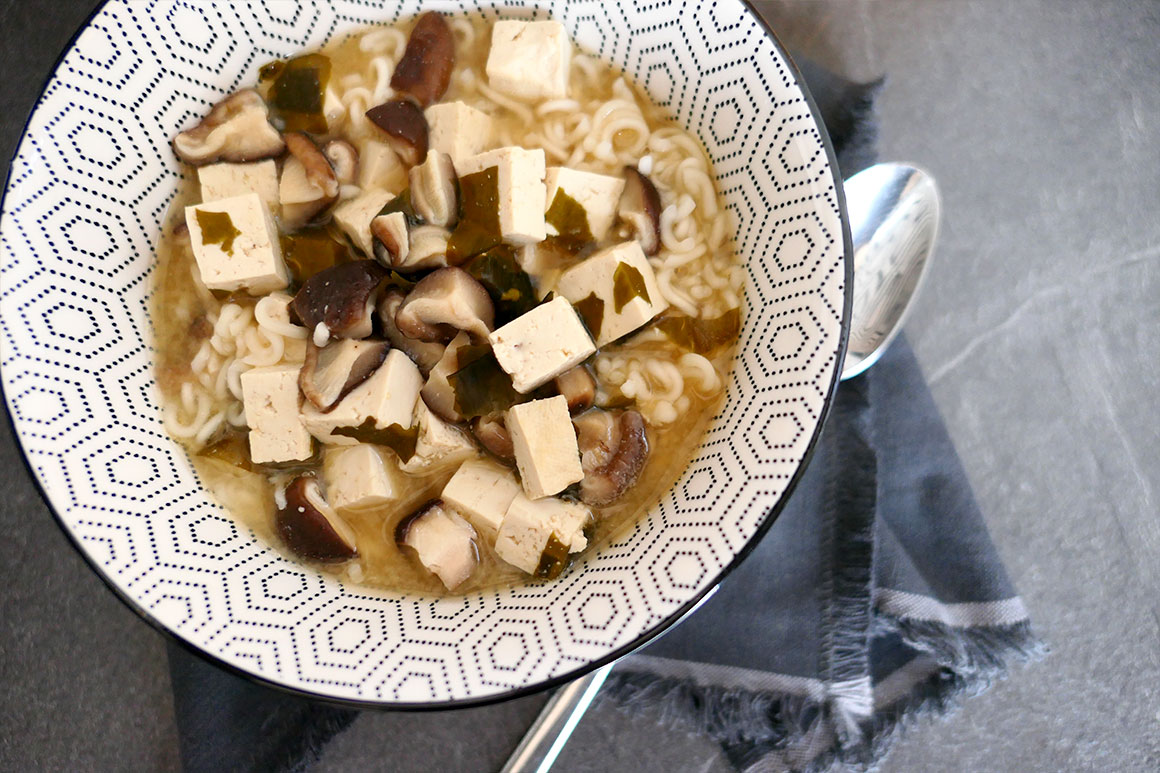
(580, 391)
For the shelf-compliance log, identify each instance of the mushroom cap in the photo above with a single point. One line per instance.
(330, 372)
(435, 190)
(640, 209)
(443, 542)
(310, 527)
(343, 158)
(438, 393)
(492, 433)
(578, 387)
(424, 354)
(424, 71)
(342, 298)
(237, 129)
(308, 183)
(444, 302)
(405, 126)
(613, 451)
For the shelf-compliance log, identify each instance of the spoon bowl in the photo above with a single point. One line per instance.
(894, 218)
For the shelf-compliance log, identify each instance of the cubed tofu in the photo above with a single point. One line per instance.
(354, 217)
(379, 168)
(544, 440)
(225, 181)
(439, 445)
(598, 275)
(235, 243)
(481, 491)
(520, 178)
(458, 130)
(388, 397)
(529, 524)
(598, 194)
(270, 399)
(530, 60)
(358, 477)
(537, 346)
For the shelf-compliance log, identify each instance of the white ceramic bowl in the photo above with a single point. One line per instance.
(87, 192)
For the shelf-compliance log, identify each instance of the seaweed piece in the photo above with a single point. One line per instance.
(570, 220)
(703, 336)
(508, 285)
(591, 310)
(554, 559)
(311, 250)
(401, 441)
(481, 386)
(233, 449)
(478, 229)
(627, 284)
(296, 95)
(217, 228)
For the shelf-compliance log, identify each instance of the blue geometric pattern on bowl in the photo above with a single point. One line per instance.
(88, 191)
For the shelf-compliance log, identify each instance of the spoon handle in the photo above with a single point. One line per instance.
(542, 744)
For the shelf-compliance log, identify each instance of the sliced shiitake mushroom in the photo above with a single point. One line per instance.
(329, 373)
(237, 129)
(343, 160)
(613, 450)
(342, 298)
(309, 526)
(640, 210)
(435, 190)
(308, 183)
(443, 542)
(422, 353)
(438, 393)
(392, 241)
(406, 128)
(443, 303)
(492, 433)
(578, 387)
(424, 70)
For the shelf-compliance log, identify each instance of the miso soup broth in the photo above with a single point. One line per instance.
(444, 304)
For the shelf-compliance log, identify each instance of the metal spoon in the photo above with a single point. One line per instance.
(894, 216)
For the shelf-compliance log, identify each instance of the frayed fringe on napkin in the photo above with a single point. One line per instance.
(766, 730)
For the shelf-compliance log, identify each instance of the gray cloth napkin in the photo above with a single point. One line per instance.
(875, 597)
(877, 594)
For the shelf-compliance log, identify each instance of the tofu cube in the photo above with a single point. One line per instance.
(379, 168)
(439, 445)
(358, 477)
(225, 181)
(235, 243)
(598, 275)
(270, 399)
(529, 524)
(520, 177)
(481, 491)
(599, 194)
(547, 455)
(530, 60)
(388, 397)
(354, 217)
(537, 346)
(444, 544)
(458, 130)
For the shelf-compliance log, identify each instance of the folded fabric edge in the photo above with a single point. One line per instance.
(790, 724)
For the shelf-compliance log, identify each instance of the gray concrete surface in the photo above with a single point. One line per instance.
(1039, 329)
